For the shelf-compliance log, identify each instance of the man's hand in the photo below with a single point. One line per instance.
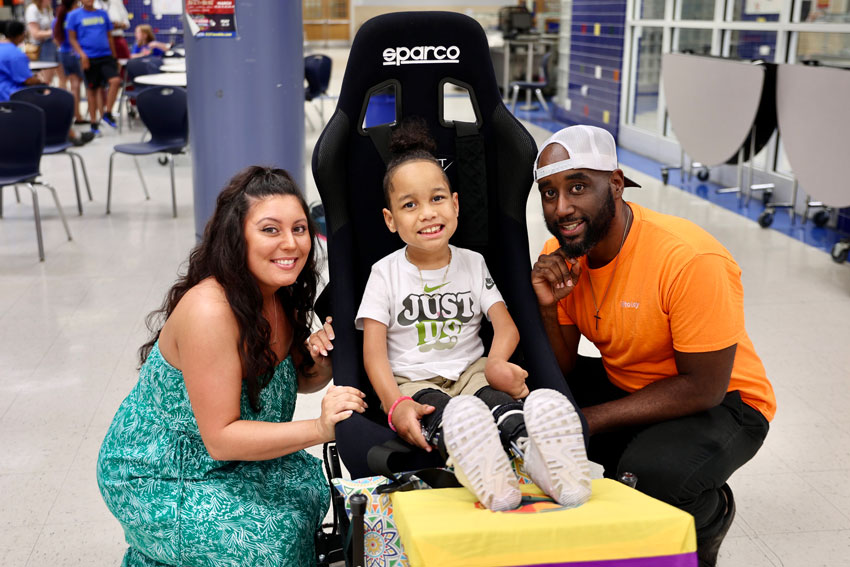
(84, 62)
(554, 276)
(506, 377)
(406, 418)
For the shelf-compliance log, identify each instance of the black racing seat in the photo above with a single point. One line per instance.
(405, 63)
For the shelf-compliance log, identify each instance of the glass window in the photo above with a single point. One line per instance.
(457, 104)
(693, 41)
(818, 11)
(381, 108)
(752, 44)
(755, 11)
(827, 48)
(647, 78)
(651, 10)
(697, 10)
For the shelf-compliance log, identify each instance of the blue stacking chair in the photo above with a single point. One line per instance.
(130, 89)
(22, 136)
(164, 112)
(317, 71)
(58, 107)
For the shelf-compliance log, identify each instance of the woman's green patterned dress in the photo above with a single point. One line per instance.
(178, 506)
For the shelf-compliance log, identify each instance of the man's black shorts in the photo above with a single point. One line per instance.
(100, 70)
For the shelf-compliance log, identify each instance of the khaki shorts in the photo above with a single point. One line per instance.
(469, 382)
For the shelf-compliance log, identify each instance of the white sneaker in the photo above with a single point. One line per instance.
(480, 462)
(554, 453)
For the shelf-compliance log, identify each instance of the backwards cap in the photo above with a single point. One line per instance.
(589, 148)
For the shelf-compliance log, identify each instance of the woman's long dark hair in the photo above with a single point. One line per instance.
(222, 255)
(62, 12)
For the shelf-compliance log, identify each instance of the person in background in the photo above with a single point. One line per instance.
(14, 65)
(39, 20)
(69, 60)
(15, 71)
(88, 31)
(146, 44)
(120, 21)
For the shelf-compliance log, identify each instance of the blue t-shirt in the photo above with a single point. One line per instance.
(92, 29)
(155, 52)
(14, 70)
(65, 47)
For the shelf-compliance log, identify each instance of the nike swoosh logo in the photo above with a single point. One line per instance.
(435, 288)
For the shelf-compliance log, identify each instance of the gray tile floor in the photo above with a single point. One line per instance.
(70, 327)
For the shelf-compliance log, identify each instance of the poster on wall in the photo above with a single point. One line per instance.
(167, 7)
(211, 18)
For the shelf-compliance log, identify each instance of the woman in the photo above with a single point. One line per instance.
(70, 63)
(202, 465)
(39, 20)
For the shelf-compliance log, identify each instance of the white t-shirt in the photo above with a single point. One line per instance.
(118, 15)
(432, 322)
(43, 19)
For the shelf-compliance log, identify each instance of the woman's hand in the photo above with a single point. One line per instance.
(506, 377)
(406, 420)
(320, 345)
(339, 403)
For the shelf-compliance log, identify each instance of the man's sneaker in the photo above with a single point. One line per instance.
(109, 119)
(95, 130)
(554, 453)
(475, 450)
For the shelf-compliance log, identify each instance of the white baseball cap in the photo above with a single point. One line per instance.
(589, 148)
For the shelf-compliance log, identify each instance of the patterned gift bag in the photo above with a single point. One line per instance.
(381, 540)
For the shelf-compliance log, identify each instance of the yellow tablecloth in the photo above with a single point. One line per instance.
(445, 527)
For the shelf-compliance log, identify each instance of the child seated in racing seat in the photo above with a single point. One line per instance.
(421, 313)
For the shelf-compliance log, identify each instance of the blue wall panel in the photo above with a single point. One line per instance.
(596, 58)
(167, 28)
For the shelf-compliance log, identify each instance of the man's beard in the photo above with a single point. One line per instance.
(595, 229)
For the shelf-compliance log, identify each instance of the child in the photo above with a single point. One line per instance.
(421, 313)
(88, 32)
(15, 71)
(146, 44)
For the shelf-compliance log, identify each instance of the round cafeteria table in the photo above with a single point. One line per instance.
(41, 65)
(163, 79)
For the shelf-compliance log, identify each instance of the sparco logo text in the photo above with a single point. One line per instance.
(421, 54)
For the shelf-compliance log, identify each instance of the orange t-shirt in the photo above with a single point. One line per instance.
(675, 287)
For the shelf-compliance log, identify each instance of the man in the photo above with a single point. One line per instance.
(680, 397)
(88, 32)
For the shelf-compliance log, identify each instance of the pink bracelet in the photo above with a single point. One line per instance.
(392, 409)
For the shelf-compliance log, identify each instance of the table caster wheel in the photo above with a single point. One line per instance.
(702, 174)
(839, 252)
(162, 160)
(765, 219)
(766, 196)
(821, 218)
(665, 175)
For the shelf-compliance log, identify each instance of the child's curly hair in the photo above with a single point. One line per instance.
(411, 141)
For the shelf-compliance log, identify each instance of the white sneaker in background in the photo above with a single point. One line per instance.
(475, 449)
(554, 453)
